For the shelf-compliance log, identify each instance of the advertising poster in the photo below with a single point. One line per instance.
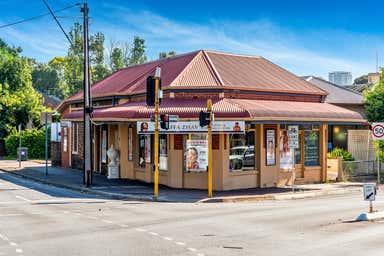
(286, 154)
(196, 156)
(147, 148)
(270, 147)
(104, 147)
(130, 144)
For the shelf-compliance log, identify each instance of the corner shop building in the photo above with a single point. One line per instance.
(254, 102)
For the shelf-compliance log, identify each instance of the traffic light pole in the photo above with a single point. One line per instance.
(209, 110)
(156, 174)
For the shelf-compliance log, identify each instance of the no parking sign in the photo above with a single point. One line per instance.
(378, 131)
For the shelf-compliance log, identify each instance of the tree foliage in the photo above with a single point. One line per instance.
(164, 55)
(374, 101)
(19, 102)
(361, 80)
(137, 52)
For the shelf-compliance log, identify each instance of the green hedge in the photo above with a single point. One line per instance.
(339, 152)
(34, 140)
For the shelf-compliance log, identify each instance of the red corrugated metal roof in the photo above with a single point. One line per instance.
(204, 69)
(229, 108)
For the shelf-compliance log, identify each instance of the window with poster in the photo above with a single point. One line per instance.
(163, 152)
(195, 153)
(144, 149)
(270, 147)
(242, 151)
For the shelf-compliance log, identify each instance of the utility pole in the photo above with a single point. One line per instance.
(87, 175)
(209, 110)
(157, 103)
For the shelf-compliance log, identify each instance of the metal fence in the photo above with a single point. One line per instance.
(361, 170)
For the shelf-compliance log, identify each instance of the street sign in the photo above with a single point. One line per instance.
(378, 131)
(293, 136)
(369, 192)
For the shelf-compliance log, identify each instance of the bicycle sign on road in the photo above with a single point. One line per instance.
(378, 131)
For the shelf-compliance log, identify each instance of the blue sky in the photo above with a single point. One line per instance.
(305, 37)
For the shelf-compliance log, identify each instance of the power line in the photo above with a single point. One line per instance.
(58, 22)
(35, 17)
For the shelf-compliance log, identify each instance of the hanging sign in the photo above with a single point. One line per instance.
(193, 127)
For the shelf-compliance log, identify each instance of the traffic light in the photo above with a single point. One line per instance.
(204, 118)
(164, 121)
(151, 90)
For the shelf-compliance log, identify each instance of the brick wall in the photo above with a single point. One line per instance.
(77, 159)
(56, 153)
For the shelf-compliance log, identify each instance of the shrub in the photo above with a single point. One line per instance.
(34, 140)
(339, 152)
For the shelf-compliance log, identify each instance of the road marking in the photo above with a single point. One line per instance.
(180, 243)
(107, 221)
(4, 237)
(200, 254)
(191, 249)
(11, 215)
(23, 198)
(92, 217)
(12, 244)
(66, 212)
(168, 238)
(140, 229)
(123, 225)
(18, 250)
(153, 233)
(78, 214)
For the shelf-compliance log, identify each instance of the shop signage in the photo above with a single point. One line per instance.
(293, 136)
(196, 156)
(193, 127)
(270, 147)
(378, 131)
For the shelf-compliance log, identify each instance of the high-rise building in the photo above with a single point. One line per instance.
(342, 78)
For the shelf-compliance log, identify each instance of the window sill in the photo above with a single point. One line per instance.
(240, 172)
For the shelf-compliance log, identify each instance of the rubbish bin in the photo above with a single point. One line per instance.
(22, 153)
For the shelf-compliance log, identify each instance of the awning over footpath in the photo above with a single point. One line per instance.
(228, 109)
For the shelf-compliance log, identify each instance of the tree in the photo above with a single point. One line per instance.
(374, 101)
(137, 52)
(116, 59)
(164, 55)
(46, 79)
(19, 102)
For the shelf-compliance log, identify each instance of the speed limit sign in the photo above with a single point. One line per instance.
(378, 131)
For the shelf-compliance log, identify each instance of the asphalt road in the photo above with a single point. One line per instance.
(37, 219)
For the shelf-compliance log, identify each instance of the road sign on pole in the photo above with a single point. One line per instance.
(378, 134)
(378, 131)
(369, 194)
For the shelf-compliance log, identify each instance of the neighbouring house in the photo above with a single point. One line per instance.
(254, 102)
(352, 137)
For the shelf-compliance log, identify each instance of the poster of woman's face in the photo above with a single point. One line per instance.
(270, 147)
(286, 154)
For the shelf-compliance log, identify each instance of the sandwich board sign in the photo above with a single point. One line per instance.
(378, 131)
(369, 192)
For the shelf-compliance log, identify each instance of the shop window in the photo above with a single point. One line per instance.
(163, 153)
(144, 150)
(75, 138)
(104, 138)
(311, 148)
(242, 151)
(196, 153)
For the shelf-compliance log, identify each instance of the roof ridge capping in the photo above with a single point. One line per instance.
(232, 54)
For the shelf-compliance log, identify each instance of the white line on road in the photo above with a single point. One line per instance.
(107, 221)
(200, 254)
(18, 250)
(168, 238)
(123, 225)
(153, 233)
(23, 198)
(12, 244)
(4, 237)
(140, 229)
(92, 217)
(180, 243)
(11, 215)
(191, 249)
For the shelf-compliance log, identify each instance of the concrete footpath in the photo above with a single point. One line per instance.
(136, 190)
